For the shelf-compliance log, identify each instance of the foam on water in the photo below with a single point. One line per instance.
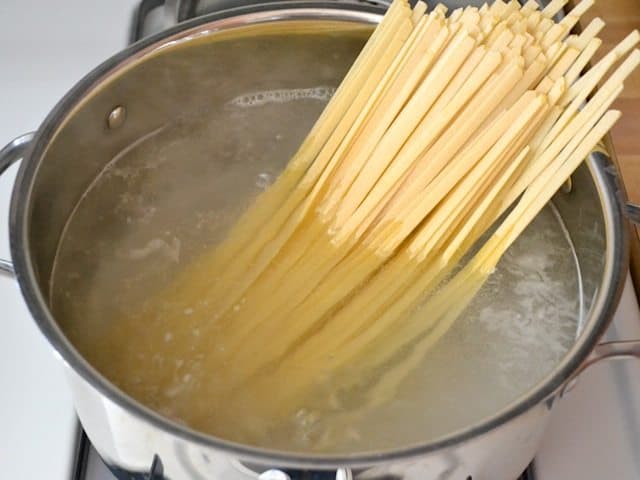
(260, 98)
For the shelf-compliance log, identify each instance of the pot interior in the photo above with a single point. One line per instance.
(211, 119)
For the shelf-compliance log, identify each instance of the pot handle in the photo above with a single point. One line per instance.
(617, 350)
(10, 154)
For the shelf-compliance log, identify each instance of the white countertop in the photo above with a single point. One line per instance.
(45, 47)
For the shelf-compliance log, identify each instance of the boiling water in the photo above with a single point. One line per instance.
(174, 193)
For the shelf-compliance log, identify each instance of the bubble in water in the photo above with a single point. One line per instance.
(264, 180)
(173, 390)
(157, 246)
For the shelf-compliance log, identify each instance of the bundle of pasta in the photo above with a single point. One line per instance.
(441, 125)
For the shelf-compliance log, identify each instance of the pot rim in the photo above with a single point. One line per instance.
(602, 309)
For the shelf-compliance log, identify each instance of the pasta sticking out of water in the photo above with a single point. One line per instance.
(443, 142)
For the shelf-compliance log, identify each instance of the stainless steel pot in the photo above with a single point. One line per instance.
(121, 101)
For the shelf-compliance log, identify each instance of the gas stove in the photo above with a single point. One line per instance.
(45, 48)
